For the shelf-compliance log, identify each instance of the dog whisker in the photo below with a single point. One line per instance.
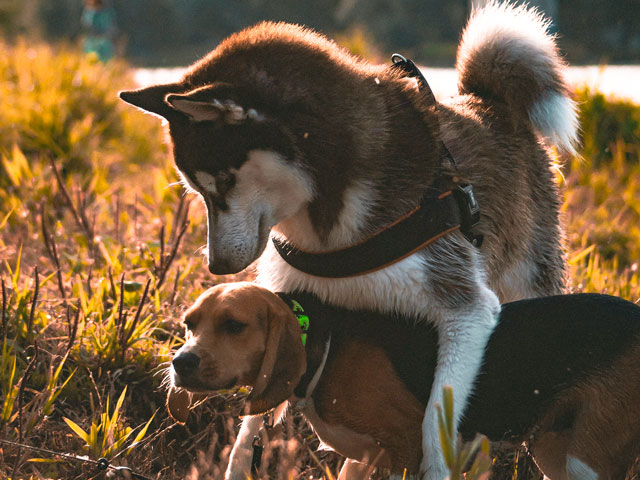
(202, 250)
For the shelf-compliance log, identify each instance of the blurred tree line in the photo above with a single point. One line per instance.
(176, 32)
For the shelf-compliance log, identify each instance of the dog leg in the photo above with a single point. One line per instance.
(239, 467)
(462, 339)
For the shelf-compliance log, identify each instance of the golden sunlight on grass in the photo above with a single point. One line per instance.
(99, 257)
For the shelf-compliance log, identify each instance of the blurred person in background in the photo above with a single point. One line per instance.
(99, 28)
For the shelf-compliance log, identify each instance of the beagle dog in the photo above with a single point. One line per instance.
(560, 373)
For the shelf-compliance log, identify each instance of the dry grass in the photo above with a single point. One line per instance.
(98, 261)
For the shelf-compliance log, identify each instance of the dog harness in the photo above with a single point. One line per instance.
(446, 206)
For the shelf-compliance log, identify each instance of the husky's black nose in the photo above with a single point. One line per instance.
(220, 267)
(185, 364)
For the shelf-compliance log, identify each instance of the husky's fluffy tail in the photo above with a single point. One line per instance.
(506, 53)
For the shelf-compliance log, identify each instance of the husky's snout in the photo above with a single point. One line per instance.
(235, 240)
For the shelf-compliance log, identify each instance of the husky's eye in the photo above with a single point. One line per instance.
(225, 181)
(232, 326)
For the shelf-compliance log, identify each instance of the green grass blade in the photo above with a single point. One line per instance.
(141, 433)
(5, 219)
(77, 430)
(448, 448)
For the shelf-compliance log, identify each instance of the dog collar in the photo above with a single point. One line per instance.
(303, 319)
(302, 316)
(441, 211)
(315, 335)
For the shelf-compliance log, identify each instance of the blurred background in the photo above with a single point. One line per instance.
(175, 33)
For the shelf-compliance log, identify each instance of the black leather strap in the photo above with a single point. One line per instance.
(437, 215)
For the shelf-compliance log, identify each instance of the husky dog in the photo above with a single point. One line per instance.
(283, 133)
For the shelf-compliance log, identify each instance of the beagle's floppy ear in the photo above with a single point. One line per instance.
(207, 104)
(152, 99)
(178, 404)
(284, 360)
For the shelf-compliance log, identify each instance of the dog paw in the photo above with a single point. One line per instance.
(433, 466)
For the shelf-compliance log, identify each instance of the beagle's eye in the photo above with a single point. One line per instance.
(232, 326)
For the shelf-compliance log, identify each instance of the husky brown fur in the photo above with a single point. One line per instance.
(281, 131)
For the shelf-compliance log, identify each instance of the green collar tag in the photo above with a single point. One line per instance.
(303, 319)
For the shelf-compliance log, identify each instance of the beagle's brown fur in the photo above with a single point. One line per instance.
(570, 390)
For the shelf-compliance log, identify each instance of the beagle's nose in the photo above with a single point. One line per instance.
(185, 364)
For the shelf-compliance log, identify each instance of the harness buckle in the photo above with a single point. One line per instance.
(270, 430)
(470, 212)
(411, 70)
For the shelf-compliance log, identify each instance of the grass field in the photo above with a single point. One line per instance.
(99, 255)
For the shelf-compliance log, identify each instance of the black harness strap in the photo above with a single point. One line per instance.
(441, 211)
(257, 444)
(469, 208)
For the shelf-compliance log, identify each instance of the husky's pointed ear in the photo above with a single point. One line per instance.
(151, 99)
(202, 105)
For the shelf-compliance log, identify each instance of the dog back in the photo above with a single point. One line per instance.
(540, 348)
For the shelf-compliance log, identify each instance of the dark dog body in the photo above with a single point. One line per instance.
(570, 390)
(560, 373)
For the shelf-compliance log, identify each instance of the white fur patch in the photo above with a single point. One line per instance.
(399, 287)
(555, 117)
(358, 199)
(212, 110)
(197, 111)
(578, 470)
(278, 185)
(268, 189)
(521, 27)
(357, 202)
(462, 339)
(252, 114)
(206, 181)
(515, 33)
